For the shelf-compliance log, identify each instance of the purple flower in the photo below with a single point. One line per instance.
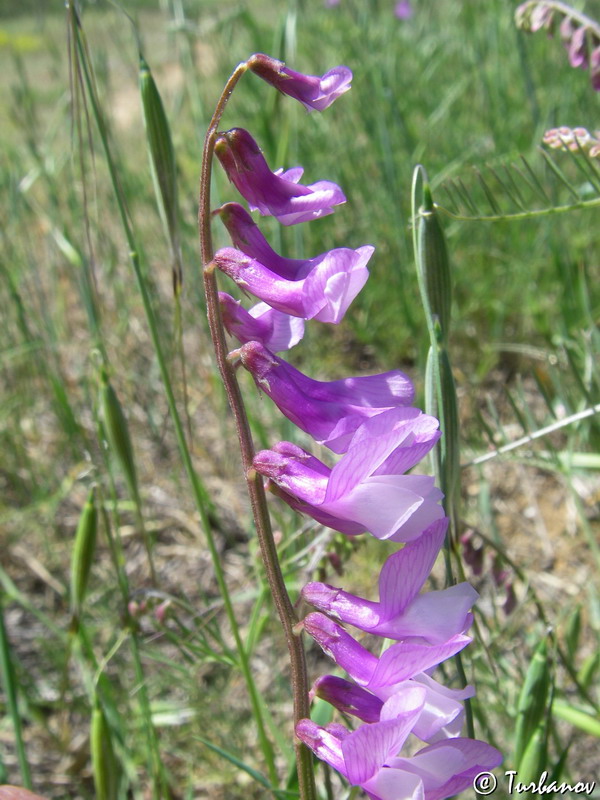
(442, 716)
(319, 288)
(401, 611)
(261, 323)
(313, 92)
(403, 9)
(566, 29)
(365, 757)
(542, 16)
(329, 411)
(366, 489)
(273, 193)
(398, 664)
(332, 282)
(399, 668)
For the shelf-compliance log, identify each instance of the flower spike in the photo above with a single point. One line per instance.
(278, 193)
(313, 92)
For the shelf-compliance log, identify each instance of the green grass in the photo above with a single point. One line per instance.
(457, 86)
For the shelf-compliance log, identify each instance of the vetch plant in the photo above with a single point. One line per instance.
(370, 423)
(579, 33)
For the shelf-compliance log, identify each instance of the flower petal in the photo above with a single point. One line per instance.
(261, 323)
(405, 572)
(406, 659)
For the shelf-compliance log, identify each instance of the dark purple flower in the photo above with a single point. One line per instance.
(273, 193)
(401, 611)
(348, 697)
(313, 92)
(261, 323)
(366, 489)
(329, 411)
(473, 556)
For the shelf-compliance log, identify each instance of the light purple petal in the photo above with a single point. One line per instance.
(261, 323)
(330, 411)
(348, 527)
(272, 194)
(367, 749)
(404, 433)
(404, 660)
(394, 507)
(405, 572)
(436, 615)
(578, 48)
(395, 784)
(443, 713)
(312, 91)
(447, 768)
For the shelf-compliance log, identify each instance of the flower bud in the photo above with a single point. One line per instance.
(313, 92)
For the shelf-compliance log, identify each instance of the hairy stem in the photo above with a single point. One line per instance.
(254, 483)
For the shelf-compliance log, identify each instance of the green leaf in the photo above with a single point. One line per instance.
(579, 719)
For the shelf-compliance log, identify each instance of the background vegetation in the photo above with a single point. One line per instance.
(454, 87)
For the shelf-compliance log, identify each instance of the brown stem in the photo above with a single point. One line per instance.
(254, 482)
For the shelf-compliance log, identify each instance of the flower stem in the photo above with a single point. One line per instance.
(254, 483)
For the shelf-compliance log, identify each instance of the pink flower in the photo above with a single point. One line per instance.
(403, 9)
